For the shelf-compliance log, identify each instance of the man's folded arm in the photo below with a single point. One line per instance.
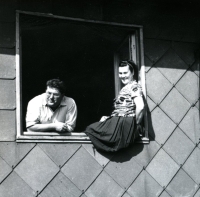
(71, 117)
(58, 126)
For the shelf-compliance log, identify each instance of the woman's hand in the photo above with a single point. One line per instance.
(103, 118)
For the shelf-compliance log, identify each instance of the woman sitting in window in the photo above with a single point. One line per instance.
(120, 129)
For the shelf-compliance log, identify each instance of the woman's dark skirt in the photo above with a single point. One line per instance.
(113, 134)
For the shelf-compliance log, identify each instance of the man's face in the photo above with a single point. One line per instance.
(125, 74)
(53, 97)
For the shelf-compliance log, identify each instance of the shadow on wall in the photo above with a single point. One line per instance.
(151, 132)
(125, 154)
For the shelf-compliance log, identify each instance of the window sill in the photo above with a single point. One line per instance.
(62, 138)
(53, 137)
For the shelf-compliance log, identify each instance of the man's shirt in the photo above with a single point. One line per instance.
(38, 112)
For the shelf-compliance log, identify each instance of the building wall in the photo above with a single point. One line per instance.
(168, 166)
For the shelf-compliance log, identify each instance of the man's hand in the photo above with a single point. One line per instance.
(61, 127)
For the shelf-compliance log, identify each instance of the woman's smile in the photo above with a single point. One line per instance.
(125, 74)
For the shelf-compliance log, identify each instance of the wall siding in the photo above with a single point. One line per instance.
(167, 167)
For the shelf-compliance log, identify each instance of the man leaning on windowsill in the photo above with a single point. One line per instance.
(52, 110)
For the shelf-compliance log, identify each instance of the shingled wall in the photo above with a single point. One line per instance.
(167, 167)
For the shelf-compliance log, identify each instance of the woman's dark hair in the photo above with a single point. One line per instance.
(130, 63)
(58, 84)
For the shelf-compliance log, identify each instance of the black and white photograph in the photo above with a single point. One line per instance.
(99, 98)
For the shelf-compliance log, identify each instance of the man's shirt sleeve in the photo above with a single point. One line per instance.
(33, 113)
(71, 117)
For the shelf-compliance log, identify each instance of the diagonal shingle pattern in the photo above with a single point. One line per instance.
(167, 167)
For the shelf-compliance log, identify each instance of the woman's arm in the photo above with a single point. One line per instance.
(139, 109)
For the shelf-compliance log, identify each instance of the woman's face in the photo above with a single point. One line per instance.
(125, 74)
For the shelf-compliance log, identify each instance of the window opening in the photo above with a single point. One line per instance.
(80, 52)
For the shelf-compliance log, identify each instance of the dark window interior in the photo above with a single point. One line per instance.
(80, 53)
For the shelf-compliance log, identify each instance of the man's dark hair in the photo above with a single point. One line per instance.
(58, 84)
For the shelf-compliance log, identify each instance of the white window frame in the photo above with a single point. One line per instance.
(74, 137)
